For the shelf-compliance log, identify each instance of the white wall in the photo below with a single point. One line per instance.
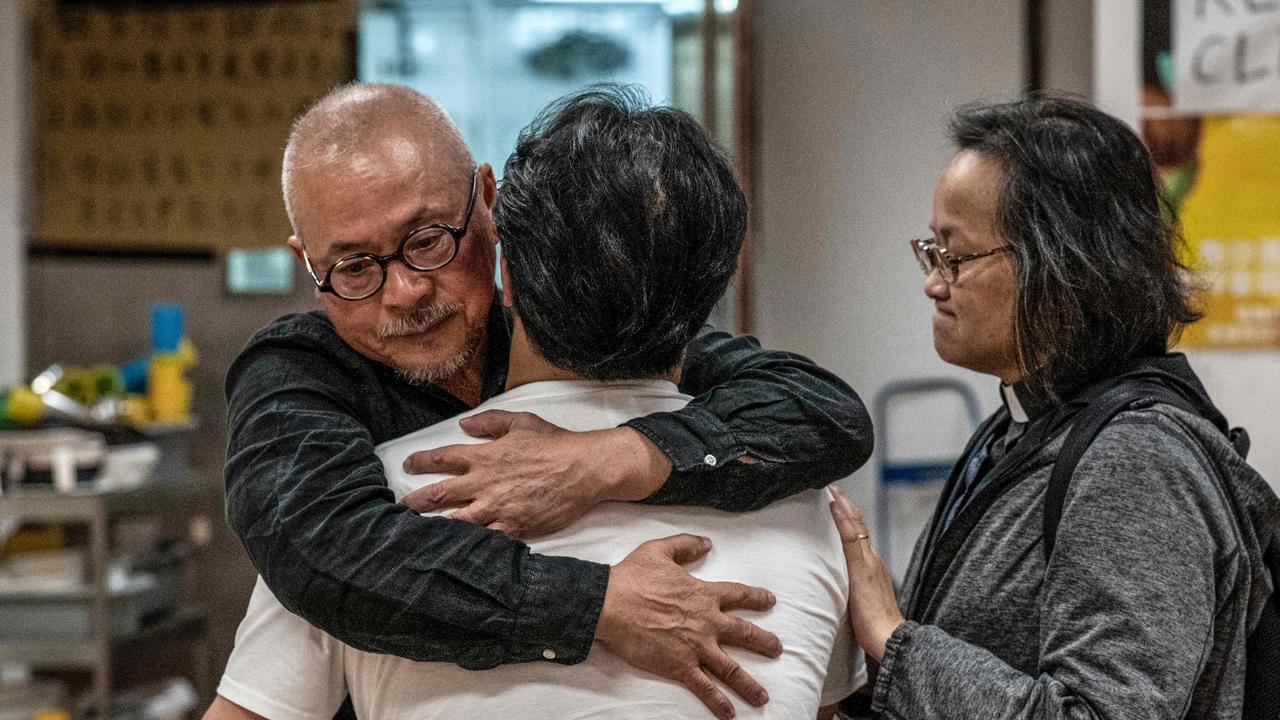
(1067, 41)
(13, 168)
(1117, 58)
(853, 98)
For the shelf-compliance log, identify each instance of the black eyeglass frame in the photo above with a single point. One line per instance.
(383, 260)
(949, 265)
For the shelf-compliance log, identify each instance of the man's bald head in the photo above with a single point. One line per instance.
(347, 124)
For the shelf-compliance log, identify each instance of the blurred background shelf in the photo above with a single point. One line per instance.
(40, 505)
(95, 621)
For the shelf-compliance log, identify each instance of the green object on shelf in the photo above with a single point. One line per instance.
(22, 406)
(8, 423)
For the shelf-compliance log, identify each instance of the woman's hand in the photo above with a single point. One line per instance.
(873, 609)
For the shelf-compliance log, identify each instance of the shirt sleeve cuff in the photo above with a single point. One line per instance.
(557, 618)
(884, 679)
(268, 706)
(692, 437)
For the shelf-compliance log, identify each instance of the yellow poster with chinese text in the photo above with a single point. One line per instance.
(1231, 222)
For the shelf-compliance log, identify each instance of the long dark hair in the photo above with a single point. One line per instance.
(1096, 248)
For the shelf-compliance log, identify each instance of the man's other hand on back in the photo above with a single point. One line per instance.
(659, 618)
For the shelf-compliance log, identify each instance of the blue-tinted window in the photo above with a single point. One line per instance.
(493, 64)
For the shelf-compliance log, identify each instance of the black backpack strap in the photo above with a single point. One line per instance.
(1088, 423)
(1262, 664)
(1240, 442)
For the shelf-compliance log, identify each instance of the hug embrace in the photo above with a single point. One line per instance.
(567, 496)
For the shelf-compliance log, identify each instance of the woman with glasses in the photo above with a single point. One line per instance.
(1053, 268)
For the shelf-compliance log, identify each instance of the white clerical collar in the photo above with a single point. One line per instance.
(1011, 401)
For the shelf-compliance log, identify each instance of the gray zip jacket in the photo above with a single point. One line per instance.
(1144, 607)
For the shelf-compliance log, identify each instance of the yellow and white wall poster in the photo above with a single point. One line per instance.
(1211, 115)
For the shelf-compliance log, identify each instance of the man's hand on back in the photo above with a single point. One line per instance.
(534, 477)
(659, 618)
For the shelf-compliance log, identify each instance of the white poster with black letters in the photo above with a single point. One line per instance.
(1226, 56)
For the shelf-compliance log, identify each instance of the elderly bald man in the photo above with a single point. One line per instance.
(392, 220)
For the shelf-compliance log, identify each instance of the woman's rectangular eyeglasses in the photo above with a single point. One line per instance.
(933, 256)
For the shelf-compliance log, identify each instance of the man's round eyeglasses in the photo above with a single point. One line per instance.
(933, 256)
(430, 247)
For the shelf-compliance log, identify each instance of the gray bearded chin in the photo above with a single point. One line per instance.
(416, 320)
(421, 319)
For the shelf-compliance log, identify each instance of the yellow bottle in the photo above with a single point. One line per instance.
(168, 390)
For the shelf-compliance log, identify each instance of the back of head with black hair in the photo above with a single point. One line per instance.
(620, 226)
(1099, 277)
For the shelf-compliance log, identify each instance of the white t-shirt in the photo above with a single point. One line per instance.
(283, 668)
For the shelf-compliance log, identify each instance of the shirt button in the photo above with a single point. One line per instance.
(710, 460)
(549, 654)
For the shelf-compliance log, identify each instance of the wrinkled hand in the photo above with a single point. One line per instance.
(873, 609)
(659, 618)
(534, 477)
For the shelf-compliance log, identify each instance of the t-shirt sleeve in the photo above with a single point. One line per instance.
(847, 670)
(282, 667)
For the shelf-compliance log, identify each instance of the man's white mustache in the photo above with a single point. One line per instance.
(416, 321)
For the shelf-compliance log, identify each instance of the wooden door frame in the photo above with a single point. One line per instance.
(744, 152)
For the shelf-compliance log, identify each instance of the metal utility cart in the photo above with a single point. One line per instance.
(931, 471)
(98, 512)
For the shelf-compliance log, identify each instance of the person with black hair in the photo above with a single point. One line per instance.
(620, 226)
(1101, 549)
(392, 221)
